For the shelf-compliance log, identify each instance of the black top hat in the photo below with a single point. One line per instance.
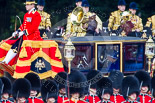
(133, 5)
(34, 79)
(7, 85)
(77, 83)
(121, 2)
(49, 89)
(116, 78)
(130, 84)
(41, 2)
(93, 78)
(85, 3)
(28, 2)
(144, 78)
(21, 88)
(61, 79)
(105, 86)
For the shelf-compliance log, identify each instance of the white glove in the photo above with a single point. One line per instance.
(20, 34)
(14, 34)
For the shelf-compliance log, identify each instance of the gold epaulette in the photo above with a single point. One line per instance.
(81, 99)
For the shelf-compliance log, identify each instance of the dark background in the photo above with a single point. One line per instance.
(60, 8)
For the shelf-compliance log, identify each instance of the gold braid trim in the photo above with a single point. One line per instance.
(42, 76)
(5, 46)
(40, 54)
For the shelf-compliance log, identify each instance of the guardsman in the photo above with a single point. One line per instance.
(45, 24)
(115, 17)
(152, 90)
(1, 88)
(35, 87)
(6, 92)
(92, 96)
(21, 90)
(27, 31)
(136, 20)
(151, 22)
(130, 89)
(69, 23)
(116, 78)
(76, 88)
(145, 84)
(105, 90)
(61, 80)
(49, 91)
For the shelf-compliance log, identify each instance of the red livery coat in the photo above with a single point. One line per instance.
(30, 25)
(117, 98)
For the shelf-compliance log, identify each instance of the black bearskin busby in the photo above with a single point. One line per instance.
(1, 88)
(49, 89)
(153, 86)
(144, 78)
(7, 85)
(21, 88)
(130, 84)
(77, 83)
(34, 79)
(93, 77)
(105, 86)
(116, 78)
(41, 2)
(61, 79)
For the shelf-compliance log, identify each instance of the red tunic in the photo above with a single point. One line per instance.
(131, 102)
(35, 100)
(70, 101)
(153, 101)
(92, 99)
(106, 101)
(6, 101)
(61, 99)
(117, 98)
(144, 98)
(30, 25)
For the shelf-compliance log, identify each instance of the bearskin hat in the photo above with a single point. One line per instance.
(93, 77)
(153, 86)
(61, 79)
(7, 85)
(34, 79)
(116, 78)
(41, 2)
(1, 87)
(77, 82)
(105, 86)
(121, 2)
(130, 84)
(49, 89)
(144, 78)
(21, 88)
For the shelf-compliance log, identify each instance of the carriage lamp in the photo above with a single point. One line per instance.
(69, 53)
(149, 51)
